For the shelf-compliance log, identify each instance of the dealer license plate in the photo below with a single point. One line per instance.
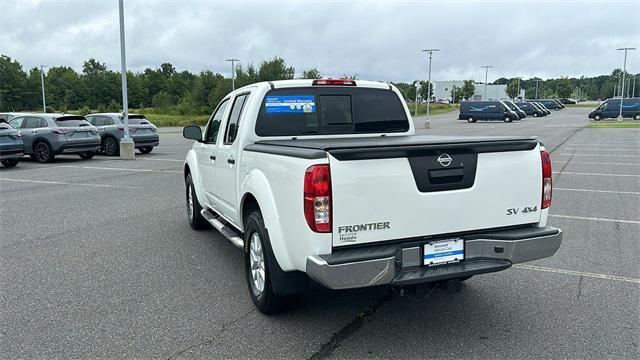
(443, 252)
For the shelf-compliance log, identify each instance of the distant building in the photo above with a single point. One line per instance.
(442, 89)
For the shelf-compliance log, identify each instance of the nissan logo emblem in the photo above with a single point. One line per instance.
(445, 160)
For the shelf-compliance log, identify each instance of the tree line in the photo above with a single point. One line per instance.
(167, 89)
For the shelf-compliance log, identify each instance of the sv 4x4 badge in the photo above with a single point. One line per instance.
(526, 209)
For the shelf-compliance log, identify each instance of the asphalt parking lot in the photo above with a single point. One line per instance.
(97, 261)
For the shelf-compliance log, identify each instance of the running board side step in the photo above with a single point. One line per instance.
(225, 230)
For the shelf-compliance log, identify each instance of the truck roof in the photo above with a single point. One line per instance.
(278, 84)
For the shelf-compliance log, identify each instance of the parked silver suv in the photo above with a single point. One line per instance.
(11, 147)
(48, 135)
(111, 127)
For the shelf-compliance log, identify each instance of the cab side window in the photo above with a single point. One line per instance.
(16, 123)
(234, 119)
(211, 133)
(33, 123)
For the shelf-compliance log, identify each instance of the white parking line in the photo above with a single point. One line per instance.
(610, 155)
(601, 149)
(122, 169)
(598, 191)
(596, 163)
(578, 273)
(67, 183)
(595, 219)
(592, 174)
(175, 160)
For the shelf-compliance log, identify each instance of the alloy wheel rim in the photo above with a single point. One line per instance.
(41, 152)
(256, 262)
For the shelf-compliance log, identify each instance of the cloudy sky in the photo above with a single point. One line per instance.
(378, 40)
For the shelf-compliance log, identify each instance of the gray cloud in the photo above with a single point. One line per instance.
(376, 40)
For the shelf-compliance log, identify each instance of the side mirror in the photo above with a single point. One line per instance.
(192, 133)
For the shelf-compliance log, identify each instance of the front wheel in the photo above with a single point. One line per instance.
(508, 119)
(87, 155)
(145, 149)
(9, 163)
(636, 117)
(471, 119)
(257, 262)
(196, 220)
(535, 114)
(597, 118)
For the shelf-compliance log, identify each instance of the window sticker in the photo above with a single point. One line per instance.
(290, 104)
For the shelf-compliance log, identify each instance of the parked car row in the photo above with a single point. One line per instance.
(504, 110)
(44, 136)
(610, 108)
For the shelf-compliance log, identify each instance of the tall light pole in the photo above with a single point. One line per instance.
(44, 102)
(518, 93)
(624, 70)
(486, 76)
(233, 73)
(537, 81)
(127, 151)
(430, 51)
(633, 91)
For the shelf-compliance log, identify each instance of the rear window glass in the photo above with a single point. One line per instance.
(4, 125)
(330, 110)
(137, 120)
(70, 121)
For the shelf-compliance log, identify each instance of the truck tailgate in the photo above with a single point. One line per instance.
(386, 193)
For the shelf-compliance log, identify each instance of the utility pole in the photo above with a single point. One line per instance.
(127, 152)
(44, 102)
(624, 70)
(518, 93)
(537, 81)
(233, 73)
(430, 51)
(633, 91)
(486, 76)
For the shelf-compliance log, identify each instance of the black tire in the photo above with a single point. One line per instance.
(9, 163)
(145, 149)
(87, 155)
(196, 220)
(265, 299)
(471, 119)
(508, 119)
(597, 117)
(636, 117)
(535, 114)
(42, 152)
(110, 146)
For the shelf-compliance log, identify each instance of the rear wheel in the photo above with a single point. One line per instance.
(9, 163)
(110, 146)
(597, 118)
(42, 152)
(535, 114)
(87, 155)
(145, 149)
(508, 119)
(636, 117)
(196, 220)
(471, 119)
(257, 263)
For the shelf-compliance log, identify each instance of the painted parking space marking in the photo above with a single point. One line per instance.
(68, 183)
(602, 149)
(593, 174)
(174, 160)
(578, 273)
(594, 163)
(609, 155)
(122, 169)
(595, 219)
(598, 191)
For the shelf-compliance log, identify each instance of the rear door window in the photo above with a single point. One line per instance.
(234, 119)
(330, 110)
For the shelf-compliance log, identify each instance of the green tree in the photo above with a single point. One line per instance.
(468, 89)
(162, 100)
(275, 69)
(512, 88)
(13, 83)
(423, 90)
(563, 87)
(312, 73)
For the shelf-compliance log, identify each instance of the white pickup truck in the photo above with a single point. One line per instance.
(325, 180)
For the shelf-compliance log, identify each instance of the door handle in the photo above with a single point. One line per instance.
(231, 161)
(212, 157)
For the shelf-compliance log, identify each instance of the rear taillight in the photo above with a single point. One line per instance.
(339, 82)
(61, 131)
(317, 198)
(546, 179)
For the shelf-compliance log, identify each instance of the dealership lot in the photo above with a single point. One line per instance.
(97, 260)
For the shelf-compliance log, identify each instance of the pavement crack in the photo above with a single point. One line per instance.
(213, 337)
(579, 287)
(350, 328)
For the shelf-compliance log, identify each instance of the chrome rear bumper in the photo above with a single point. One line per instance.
(401, 264)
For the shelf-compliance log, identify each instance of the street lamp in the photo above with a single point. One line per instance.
(486, 74)
(127, 152)
(537, 81)
(44, 102)
(430, 51)
(633, 91)
(624, 70)
(233, 73)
